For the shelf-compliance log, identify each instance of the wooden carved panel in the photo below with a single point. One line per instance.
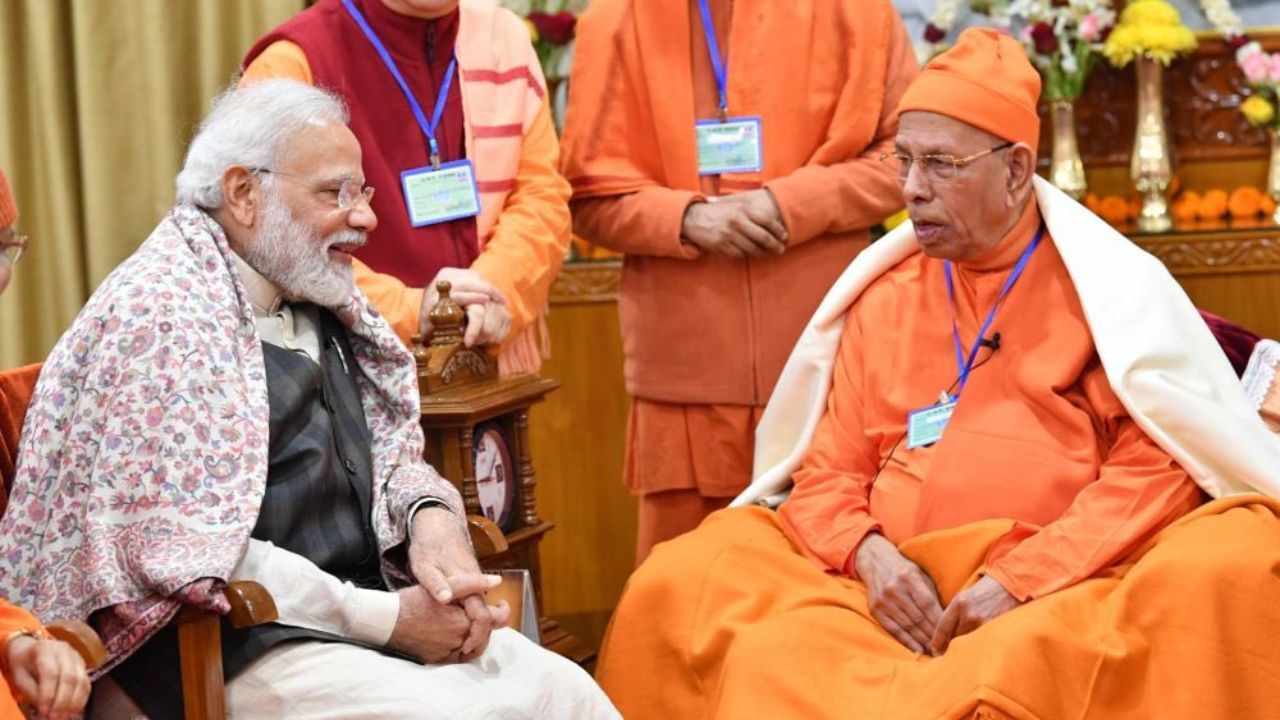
(1202, 95)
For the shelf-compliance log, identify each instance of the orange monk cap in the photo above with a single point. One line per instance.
(984, 80)
(8, 208)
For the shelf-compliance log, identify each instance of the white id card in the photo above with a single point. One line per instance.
(925, 426)
(731, 146)
(439, 195)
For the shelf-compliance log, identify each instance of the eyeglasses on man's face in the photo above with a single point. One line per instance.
(12, 245)
(936, 168)
(346, 192)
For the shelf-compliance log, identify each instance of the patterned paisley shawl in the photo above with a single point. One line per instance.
(144, 455)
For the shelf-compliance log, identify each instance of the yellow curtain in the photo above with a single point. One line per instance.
(98, 99)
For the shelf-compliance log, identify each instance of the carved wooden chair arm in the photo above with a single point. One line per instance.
(200, 647)
(251, 604)
(82, 639)
(486, 536)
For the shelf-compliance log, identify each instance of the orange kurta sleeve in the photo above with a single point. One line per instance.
(526, 249)
(400, 304)
(1139, 490)
(14, 618)
(827, 514)
(280, 59)
(816, 200)
(645, 222)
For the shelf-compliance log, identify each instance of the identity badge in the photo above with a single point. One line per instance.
(729, 146)
(925, 426)
(436, 195)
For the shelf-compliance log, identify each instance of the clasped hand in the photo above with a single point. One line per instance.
(739, 225)
(904, 600)
(444, 618)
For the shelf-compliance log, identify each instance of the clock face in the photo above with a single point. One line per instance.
(495, 473)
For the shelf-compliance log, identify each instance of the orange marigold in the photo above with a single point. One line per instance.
(1213, 204)
(1114, 209)
(1245, 202)
(1186, 206)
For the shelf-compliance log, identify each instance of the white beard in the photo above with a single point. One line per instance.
(293, 257)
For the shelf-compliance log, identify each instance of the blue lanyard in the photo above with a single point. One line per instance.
(428, 128)
(967, 367)
(717, 64)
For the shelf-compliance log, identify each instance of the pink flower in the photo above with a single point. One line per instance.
(1275, 68)
(1089, 27)
(1255, 66)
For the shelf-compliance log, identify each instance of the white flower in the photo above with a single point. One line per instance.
(1069, 65)
(1249, 48)
(1222, 16)
(519, 7)
(944, 15)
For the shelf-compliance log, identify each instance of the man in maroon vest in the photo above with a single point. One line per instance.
(436, 83)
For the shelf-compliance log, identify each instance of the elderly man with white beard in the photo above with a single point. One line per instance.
(228, 406)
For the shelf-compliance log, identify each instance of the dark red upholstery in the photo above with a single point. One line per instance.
(1236, 341)
(16, 386)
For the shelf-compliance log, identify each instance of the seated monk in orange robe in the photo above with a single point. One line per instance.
(999, 510)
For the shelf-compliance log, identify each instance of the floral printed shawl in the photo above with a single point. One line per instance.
(144, 454)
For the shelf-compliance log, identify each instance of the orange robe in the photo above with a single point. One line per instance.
(1041, 481)
(1038, 435)
(705, 336)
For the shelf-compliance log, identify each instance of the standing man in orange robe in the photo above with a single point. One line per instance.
(452, 85)
(996, 509)
(730, 149)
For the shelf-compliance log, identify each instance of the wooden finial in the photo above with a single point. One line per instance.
(446, 318)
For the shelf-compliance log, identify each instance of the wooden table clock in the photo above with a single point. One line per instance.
(477, 436)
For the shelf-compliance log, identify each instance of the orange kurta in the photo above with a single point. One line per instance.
(705, 336)
(1038, 435)
(824, 78)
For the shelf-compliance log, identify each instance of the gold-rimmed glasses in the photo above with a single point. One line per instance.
(349, 192)
(12, 245)
(936, 168)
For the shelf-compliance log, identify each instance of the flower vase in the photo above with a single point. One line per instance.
(1066, 169)
(1151, 166)
(1273, 172)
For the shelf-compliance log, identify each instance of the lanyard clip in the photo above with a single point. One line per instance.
(724, 113)
(435, 161)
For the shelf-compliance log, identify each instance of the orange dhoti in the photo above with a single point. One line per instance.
(732, 621)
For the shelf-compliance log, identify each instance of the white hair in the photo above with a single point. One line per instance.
(249, 126)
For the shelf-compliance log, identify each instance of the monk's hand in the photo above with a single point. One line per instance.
(730, 228)
(50, 674)
(901, 596)
(487, 324)
(762, 208)
(970, 609)
(468, 288)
